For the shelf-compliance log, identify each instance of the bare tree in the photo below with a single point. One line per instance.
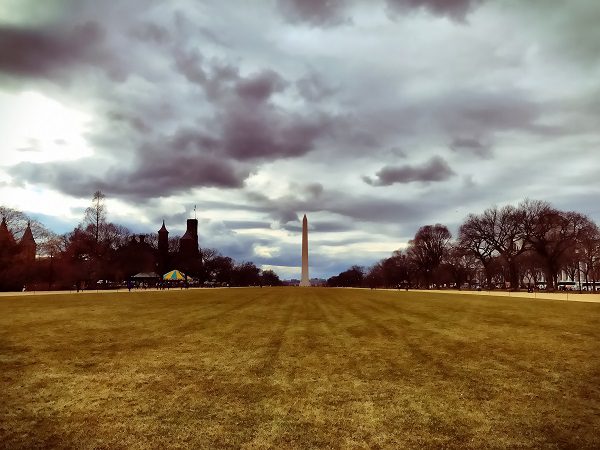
(428, 248)
(473, 236)
(497, 231)
(95, 216)
(551, 233)
(461, 264)
(588, 247)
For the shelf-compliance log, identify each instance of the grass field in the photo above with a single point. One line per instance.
(298, 368)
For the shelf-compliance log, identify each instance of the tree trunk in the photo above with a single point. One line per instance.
(513, 276)
(549, 279)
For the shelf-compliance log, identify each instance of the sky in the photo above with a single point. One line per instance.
(373, 118)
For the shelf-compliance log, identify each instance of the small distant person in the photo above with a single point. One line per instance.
(129, 285)
(24, 289)
(77, 286)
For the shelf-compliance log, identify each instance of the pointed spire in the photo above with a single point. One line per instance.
(27, 245)
(163, 228)
(6, 237)
(28, 235)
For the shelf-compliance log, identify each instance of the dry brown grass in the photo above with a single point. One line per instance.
(297, 368)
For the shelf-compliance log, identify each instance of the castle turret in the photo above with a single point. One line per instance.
(188, 244)
(189, 252)
(27, 245)
(163, 249)
(6, 237)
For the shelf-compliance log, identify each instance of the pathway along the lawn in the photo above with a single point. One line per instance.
(573, 296)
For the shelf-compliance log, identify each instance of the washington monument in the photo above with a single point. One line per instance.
(304, 281)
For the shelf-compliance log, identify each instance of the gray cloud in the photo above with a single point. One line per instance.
(260, 86)
(456, 9)
(314, 12)
(315, 189)
(246, 224)
(327, 13)
(151, 33)
(46, 52)
(472, 146)
(321, 226)
(158, 175)
(436, 169)
(313, 88)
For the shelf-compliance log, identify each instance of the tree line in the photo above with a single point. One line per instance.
(514, 247)
(97, 249)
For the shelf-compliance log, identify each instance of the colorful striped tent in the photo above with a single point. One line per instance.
(174, 275)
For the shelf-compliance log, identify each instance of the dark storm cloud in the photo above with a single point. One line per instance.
(158, 175)
(252, 127)
(44, 52)
(314, 12)
(259, 87)
(65, 177)
(436, 169)
(472, 146)
(270, 133)
(163, 175)
(456, 9)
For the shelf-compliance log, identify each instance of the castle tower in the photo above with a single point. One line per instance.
(6, 237)
(27, 246)
(188, 244)
(163, 249)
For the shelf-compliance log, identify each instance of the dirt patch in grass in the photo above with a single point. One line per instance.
(297, 368)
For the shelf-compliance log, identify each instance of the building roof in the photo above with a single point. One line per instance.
(188, 235)
(5, 234)
(27, 235)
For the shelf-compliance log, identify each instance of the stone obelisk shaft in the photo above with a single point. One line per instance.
(304, 281)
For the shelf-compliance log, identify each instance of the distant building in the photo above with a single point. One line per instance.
(137, 255)
(6, 237)
(17, 260)
(27, 246)
(187, 258)
(163, 250)
(24, 251)
(188, 244)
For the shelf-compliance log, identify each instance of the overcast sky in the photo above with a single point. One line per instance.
(371, 117)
